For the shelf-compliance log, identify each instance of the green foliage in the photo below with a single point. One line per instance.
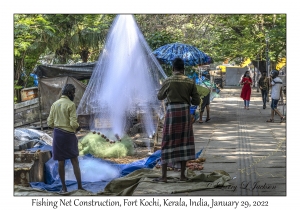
(16, 86)
(244, 36)
(69, 38)
(159, 39)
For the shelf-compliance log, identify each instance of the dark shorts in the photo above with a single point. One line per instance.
(274, 103)
(205, 102)
(65, 145)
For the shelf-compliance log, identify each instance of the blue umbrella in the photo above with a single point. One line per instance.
(191, 55)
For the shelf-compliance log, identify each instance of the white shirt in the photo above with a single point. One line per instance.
(275, 93)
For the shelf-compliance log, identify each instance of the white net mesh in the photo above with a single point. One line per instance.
(124, 82)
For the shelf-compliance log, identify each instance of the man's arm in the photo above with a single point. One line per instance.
(260, 83)
(73, 118)
(50, 120)
(281, 95)
(271, 82)
(162, 93)
(195, 96)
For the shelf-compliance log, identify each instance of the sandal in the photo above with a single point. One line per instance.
(62, 191)
(183, 180)
(282, 119)
(270, 120)
(207, 120)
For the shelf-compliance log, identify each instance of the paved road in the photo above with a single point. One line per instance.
(243, 144)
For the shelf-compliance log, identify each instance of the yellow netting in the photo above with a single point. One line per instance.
(97, 146)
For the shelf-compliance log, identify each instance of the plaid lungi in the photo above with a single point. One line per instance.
(65, 145)
(178, 137)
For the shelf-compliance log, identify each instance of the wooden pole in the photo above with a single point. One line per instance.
(40, 107)
(156, 132)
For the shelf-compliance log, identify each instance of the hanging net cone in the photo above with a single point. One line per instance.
(124, 82)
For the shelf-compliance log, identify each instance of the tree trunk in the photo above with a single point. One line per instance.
(17, 77)
(84, 55)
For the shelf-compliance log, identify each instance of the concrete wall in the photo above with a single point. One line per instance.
(27, 112)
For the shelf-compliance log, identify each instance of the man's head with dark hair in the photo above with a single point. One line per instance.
(69, 90)
(178, 65)
(274, 74)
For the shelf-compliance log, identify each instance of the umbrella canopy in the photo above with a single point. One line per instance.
(191, 55)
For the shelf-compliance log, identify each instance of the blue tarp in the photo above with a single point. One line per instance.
(99, 177)
(96, 172)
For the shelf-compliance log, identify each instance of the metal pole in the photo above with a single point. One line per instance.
(257, 71)
(258, 64)
(267, 57)
(254, 77)
(267, 62)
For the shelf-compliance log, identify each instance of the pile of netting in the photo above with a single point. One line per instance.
(98, 146)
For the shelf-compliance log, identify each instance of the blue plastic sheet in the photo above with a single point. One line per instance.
(53, 184)
(71, 185)
(52, 181)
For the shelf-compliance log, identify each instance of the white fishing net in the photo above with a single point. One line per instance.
(124, 82)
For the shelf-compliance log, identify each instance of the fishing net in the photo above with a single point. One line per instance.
(98, 146)
(124, 82)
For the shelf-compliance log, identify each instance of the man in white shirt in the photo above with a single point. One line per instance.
(276, 85)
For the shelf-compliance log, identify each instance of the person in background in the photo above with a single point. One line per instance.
(246, 89)
(63, 119)
(178, 138)
(264, 87)
(205, 101)
(276, 92)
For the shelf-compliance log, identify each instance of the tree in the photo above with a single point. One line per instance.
(60, 38)
(31, 33)
(244, 36)
(78, 35)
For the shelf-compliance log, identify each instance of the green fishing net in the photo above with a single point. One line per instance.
(97, 146)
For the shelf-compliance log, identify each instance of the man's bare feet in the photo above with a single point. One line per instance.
(63, 190)
(184, 178)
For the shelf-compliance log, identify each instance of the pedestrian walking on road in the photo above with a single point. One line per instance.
(63, 119)
(246, 89)
(204, 103)
(276, 93)
(178, 138)
(264, 88)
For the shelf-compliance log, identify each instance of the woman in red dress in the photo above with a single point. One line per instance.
(246, 90)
